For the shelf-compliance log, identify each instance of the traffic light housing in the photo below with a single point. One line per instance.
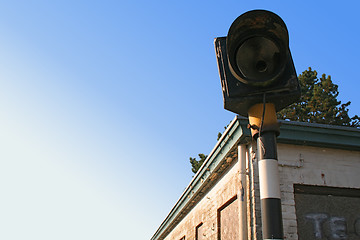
(255, 63)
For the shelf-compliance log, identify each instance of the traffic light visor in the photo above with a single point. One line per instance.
(257, 47)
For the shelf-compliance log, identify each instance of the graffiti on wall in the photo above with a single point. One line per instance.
(325, 213)
(332, 227)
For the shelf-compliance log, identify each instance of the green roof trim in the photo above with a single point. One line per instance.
(319, 135)
(298, 133)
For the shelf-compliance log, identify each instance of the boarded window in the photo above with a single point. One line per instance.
(199, 232)
(228, 220)
(327, 212)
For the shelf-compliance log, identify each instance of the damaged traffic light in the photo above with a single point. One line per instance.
(255, 63)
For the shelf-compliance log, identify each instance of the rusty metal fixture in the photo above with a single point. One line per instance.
(262, 118)
(257, 47)
(255, 60)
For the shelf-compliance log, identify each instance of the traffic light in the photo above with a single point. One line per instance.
(255, 63)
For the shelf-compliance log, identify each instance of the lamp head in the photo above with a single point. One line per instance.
(257, 47)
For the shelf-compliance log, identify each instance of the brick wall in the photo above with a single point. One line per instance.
(297, 165)
(206, 210)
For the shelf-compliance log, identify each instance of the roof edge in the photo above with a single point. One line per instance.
(319, 135)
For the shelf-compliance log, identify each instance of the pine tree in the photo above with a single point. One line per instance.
(197, 164)
(319, 103)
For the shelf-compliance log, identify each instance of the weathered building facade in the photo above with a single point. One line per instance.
(319, 169)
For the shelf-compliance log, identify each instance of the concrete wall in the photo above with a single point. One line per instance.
(297, 165)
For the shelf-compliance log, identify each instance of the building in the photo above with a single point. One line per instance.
(319, 169)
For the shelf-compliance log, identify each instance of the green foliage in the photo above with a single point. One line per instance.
(197, 164)
(319, 103)
(219, 136)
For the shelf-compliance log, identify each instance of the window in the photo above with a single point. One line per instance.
(199, 232)
(228, 220)
(327, 212)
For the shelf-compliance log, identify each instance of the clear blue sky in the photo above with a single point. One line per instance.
(103, 102)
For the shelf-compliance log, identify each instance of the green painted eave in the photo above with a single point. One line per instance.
(224, 152)
(319, 135)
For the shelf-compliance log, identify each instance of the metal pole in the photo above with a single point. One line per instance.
(271, 215)
(242, 152)
(264, 128)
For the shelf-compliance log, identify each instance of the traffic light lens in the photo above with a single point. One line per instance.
(259, 59)
(261, 66)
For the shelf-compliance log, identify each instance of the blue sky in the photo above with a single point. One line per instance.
(103, 102)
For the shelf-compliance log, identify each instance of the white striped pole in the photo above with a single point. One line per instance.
(269, 186)
(264, 128)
